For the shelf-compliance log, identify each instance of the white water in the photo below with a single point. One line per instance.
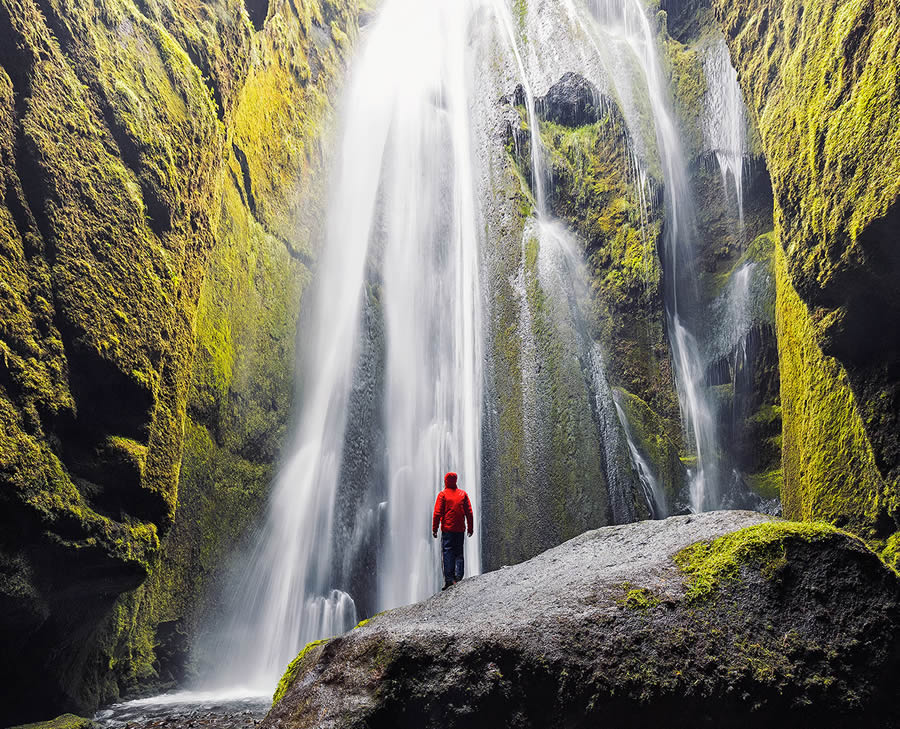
(561, 278)
(612, 44)
(191, 706)
(654, 491)
(402, 203)
(628, 21)
(697, 410)
(431, 289)
(724, 120)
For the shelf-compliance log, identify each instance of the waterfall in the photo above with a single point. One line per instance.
(616, 50)
(653, 489)
(559, 271)
(402, 255)
(401, 217)
(431, 295)
(724, 121)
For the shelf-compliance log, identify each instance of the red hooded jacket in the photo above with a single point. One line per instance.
(452, 510)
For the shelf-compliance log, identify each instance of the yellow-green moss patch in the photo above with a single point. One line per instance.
(66, 721)
(829, 467)
(306, 656)
(762, 547)
(638, 598)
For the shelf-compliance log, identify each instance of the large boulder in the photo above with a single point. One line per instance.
(682, 623)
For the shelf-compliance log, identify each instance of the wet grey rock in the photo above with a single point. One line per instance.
(572, 101)
(553, 642)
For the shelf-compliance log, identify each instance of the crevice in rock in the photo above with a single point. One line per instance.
(158, 212)
(245, 172)
(301, 256)
(18, 64)
(258, 10)
(208, 76)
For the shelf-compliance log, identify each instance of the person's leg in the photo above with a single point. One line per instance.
(449, 557)
(459, 548)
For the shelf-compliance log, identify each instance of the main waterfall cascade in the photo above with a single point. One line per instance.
(401, 219)
(401, 266)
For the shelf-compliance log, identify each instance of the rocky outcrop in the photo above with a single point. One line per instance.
(143, 185)
(679, 623)
(66, 721)
(821, 80)
(544, 436)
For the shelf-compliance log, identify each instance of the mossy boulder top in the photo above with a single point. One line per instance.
(717, 620)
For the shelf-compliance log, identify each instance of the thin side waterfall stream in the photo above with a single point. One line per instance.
(724, 122)
(617, 51)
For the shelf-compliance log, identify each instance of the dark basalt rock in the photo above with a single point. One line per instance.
(572, 101)
(607, 630)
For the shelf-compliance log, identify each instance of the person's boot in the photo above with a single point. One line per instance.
(446, 585)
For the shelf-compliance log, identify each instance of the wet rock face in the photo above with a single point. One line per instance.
(821, 80)
(110, 141)
(572, 101)
(781, 622)
(137, 200)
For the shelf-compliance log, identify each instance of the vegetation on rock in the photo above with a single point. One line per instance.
(763, 547)
(139, 173)
(65, 721)
(301, 663)
(820, 79)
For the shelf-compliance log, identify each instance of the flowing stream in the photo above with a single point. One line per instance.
(724, 120)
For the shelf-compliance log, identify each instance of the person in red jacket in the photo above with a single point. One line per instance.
(453, 512)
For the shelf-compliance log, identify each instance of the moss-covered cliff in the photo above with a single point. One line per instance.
(555, 454)
(154, 160)
(822, 81)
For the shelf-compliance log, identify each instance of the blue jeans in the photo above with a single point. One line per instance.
(454, 564)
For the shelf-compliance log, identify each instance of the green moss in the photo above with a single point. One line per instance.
(658, 440)
(578, 495)
(300, 663)
(760, 250)
(593, 194)
(762, 547)
(767, 484)
(242, 384)
(171, 156)
(890, 554)
(829, 468)
(832, 94)
(821, 80)
(688, 84)
(621, 234)
(66, 721)
(638, 598)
